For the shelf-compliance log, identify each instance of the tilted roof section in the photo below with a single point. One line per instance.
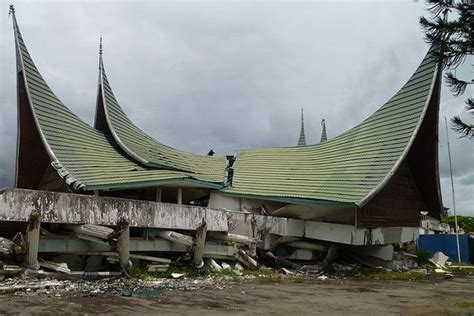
(348, 168)
(148, 151)
(83, 156)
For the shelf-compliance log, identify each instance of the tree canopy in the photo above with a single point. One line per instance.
(454, 39)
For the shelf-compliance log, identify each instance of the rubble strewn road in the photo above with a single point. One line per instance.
(299, 296)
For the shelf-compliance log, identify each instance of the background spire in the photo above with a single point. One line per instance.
(302, 139)
(100, 46)
(324, 136)
(100, 52)
(11, 10)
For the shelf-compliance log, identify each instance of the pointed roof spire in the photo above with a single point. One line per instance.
(11, 10)
(324, 136)
(100, 52)
(100, 46)
(302, 139)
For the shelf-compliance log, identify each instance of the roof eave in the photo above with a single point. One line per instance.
(383, 183)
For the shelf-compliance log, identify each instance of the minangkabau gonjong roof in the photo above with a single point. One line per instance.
(347, 170)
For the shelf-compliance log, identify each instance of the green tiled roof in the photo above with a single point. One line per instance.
(149, 151)
(346, 168)
(84, 156)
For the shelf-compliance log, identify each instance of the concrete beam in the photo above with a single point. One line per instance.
(351, 235)
(251, 225)
(70, 208)
(64, 244)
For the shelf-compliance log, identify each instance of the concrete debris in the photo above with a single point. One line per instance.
(439, 260)
(214, 266)
(240, 239)
(311, 269)
(10, 270)
(401, 261)
(58, 267)
(286, 271)
(280, 262)
(322, 277)
(175, 237)
(246, 260)
(177, 275)
(6, 246)
(11, 288)
(343, 268)
(226, 266)
(91, 232)
(238, 269)
(157, 267)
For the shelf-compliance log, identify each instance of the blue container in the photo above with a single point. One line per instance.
(446, 243)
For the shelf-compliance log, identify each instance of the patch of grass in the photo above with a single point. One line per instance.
(469, 304)
(423, 257)
(394, 276)
(266, 276)
(223, 273)
(261, 272)
(428, 266)
(297, 280)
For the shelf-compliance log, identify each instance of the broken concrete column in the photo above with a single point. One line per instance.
(331, 254)
(91, 232)
(199, 242)
(32, 240)
(176, 237)
(246, 260)
(123, 244)
(241, 239)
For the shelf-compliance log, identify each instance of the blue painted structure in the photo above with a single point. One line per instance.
(446, 243)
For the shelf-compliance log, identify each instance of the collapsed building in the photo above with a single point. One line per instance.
(366, 186)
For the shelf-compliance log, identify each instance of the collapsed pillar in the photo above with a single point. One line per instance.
(32, 240)
(123, 244)
(199, 242)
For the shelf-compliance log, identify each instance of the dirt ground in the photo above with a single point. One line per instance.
(296, 297)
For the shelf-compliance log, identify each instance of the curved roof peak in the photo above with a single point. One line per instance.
(353, 166)
(84, 157)
(111, 118)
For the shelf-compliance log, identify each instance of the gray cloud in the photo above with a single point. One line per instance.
(228, 75)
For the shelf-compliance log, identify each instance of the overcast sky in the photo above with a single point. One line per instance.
(229, 75)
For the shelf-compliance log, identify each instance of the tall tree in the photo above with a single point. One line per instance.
(454, 39)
